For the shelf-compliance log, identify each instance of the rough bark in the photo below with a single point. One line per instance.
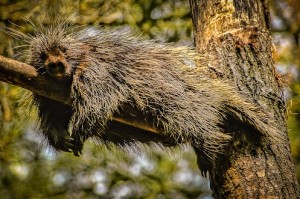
(236, 35)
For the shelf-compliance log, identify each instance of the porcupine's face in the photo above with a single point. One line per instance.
(49, 53)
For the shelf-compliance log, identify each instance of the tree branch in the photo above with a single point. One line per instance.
(26, 76)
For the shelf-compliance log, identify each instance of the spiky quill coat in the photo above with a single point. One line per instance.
(112, 68)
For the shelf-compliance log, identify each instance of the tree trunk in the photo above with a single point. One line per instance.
(235, 34)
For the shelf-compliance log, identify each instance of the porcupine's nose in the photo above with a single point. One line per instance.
(55, 66)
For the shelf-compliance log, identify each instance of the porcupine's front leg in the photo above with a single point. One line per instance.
(54, 122)
(55, 128)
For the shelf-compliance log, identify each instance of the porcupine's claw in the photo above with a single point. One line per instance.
(66, 145)
(77, 146)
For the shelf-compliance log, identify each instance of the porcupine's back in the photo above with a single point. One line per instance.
(160, 80)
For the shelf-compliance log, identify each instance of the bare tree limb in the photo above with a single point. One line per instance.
(26, 76)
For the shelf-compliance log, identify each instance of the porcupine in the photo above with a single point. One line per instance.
(111, 68)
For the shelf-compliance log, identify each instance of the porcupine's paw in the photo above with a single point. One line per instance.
(64, 144)
(76, 145)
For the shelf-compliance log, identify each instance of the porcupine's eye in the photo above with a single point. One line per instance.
(63, 49)
(43, 56)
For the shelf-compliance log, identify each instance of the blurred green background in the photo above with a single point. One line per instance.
(28, 169)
